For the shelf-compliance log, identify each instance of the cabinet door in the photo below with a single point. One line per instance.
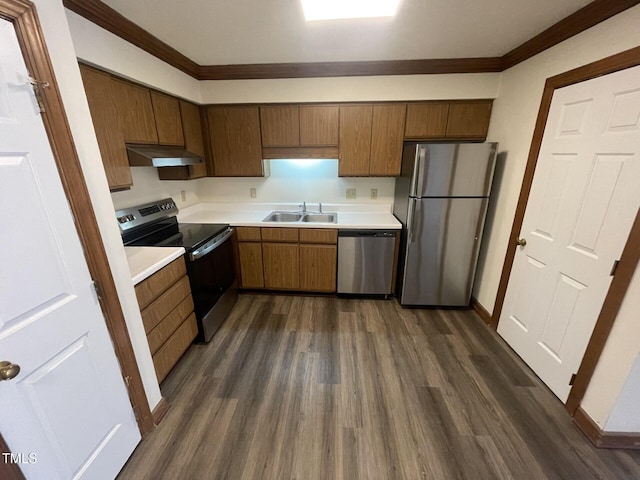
(280, 126)
(426, 120)
(101, 98)
(318, 268)
(387, 135)
(235, 141)
(319, 125)
(135, 113)
(469, 120)
(166, 111)
(250, 259)
(281, 266)
(355, 140)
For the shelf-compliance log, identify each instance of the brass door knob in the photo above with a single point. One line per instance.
(521, 241)
(8, 370)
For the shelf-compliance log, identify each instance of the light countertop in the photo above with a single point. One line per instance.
(145, 261)
(364, 216)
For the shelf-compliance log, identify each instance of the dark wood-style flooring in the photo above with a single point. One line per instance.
(324, 388)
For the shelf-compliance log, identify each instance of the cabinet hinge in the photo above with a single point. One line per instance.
(98, 289)
(614, 267)
(573, 379)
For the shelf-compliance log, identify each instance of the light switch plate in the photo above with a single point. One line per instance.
(252, 192)
(351, 193)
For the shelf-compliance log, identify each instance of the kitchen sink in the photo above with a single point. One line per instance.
(321, 217)
(302, 217)
(283, 217)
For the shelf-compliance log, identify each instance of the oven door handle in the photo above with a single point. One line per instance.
(210, 246)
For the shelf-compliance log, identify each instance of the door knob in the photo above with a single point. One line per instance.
(521, 241)
(8, 370)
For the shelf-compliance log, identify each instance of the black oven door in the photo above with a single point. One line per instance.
(211, 271)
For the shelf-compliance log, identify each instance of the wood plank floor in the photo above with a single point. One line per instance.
(323, 388)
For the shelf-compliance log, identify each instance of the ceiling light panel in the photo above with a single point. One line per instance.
(339, 9)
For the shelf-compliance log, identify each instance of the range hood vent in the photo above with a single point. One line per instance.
(161, 156)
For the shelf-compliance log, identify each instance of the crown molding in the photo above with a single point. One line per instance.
(579, 21)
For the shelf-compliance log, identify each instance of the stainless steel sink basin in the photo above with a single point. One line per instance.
(283, 217)
(302, 217)
(321, 217)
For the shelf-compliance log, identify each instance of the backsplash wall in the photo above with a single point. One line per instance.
(311, 181)
(147, 187)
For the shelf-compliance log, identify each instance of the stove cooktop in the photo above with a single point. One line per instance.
(187, 235)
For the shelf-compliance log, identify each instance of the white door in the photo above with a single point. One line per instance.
(67, 413)
(584, 198)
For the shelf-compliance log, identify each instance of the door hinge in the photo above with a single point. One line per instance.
(36, 84)
(573, 379)
(98, 289)
(614, 267)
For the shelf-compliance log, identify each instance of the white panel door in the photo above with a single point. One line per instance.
(584, 198)
(67, 413)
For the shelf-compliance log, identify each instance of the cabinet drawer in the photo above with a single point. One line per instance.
(160, 308)
(248, 234)
(152, 287)
(169, 324)
(172, 350)
(319, 235)
(279, 234)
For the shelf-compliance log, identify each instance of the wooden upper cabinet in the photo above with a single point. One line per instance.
(319, 125)
(166, 111)
(193, 141)
(426, 120)
(235, 141)
(355, 140)
(192, 128)
(135, 113)
(469, 120)
(280, 126)
(387, 135)
(104, 114)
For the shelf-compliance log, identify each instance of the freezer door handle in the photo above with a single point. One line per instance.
(414, 210)
(417, 180)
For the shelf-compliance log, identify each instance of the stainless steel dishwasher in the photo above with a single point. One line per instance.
(365, 261)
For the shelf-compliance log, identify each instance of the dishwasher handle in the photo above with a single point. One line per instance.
(366, 233)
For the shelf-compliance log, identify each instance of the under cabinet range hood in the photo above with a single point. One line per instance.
(161, 156)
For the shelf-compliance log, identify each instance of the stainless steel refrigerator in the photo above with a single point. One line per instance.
(441, 199)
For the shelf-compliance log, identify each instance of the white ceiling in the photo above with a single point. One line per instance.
(219, 32)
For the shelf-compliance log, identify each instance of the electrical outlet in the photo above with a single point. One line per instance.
(374, 193)
(351, 193)
(183, 195)
(252, 192)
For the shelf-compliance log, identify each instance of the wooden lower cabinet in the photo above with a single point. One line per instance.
(281, 266)
(166, 306)
(302, 259)
(250, 260)
(318, 268)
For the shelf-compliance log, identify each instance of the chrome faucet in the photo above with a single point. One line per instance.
(319, 207)
(304, 207)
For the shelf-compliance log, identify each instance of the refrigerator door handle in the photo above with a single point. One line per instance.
(416, 180)
(411, 217)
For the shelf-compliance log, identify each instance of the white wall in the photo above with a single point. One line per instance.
(63, 56)
(147, 187)
(99, 47)
(312, 181)
(352, 89)
(512, 123)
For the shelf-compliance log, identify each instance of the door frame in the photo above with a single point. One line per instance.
(23, 15)
(631, 253)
